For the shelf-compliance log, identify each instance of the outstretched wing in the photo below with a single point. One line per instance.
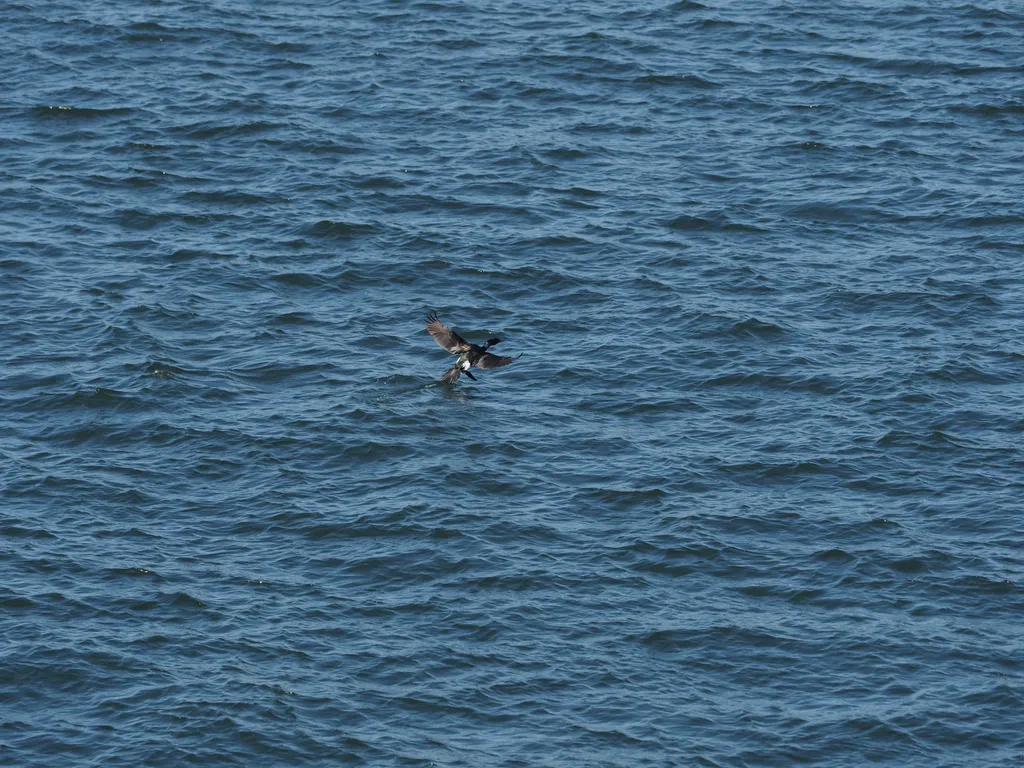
(487, 361)
(445, 336)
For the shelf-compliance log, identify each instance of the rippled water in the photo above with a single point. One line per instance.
(752, 495)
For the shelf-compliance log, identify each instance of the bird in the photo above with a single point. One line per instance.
(470, 355)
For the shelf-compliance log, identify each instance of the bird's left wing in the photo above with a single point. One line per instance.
(488, 361)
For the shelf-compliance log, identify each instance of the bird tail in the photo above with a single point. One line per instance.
(451, 375)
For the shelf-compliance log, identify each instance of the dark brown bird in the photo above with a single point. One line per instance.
(470, 355)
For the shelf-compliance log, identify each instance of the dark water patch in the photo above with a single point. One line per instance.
(543, 278)
(78, 113)
(986, 585)
(784, 472)
(992, 220)
(1007, 108)
(584, 192)
(690, 223)
(207, 129)
(135, 573)
(680, 640)
(625, 128)
(621, 498)
(756, 328)
(92, 399)
(140, 220)
(716, 222)
(186, 255)
(380, 182)
(685, 81)
(19, 532)
(421, 203)
(374, 451)
(837, 556)
(649, 408)
(270, 372)
(908, 565)
(566, 153)
(687, 6)
(337, 230)
(960, 371)
(556, 241)
(300, 279)
(230, 197)
(815, 384)
(293, 318)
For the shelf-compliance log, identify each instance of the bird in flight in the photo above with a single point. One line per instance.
(470, 355)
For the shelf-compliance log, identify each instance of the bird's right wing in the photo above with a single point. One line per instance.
(445, 336)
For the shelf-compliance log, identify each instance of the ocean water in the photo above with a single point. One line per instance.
(752, 496)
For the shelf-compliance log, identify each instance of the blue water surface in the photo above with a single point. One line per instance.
(752, 496)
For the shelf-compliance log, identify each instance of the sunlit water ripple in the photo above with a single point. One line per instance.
(752, 495)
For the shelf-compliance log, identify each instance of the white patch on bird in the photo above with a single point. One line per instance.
(466, 365)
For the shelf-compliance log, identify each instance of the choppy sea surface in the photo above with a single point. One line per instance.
(753, 495)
